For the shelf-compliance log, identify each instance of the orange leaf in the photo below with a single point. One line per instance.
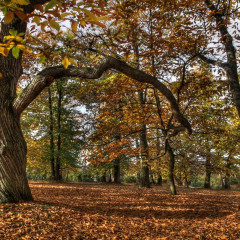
(9, 16)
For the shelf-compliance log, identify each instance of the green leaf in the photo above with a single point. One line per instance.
(50, 5)
(13, 32)
(42, 59)
(15, 52)
(54, 25)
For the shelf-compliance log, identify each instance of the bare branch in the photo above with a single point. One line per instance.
(213, 62)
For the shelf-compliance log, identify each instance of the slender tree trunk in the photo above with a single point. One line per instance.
(207, 181)
(52, 158)
(104, 177)
(171, 169)
(144, 174)
(116, 166)
(116, 170)
(59, 111)
(186, 182)
(159, 179)
(152, 177)
(138, 161)
(227, 179)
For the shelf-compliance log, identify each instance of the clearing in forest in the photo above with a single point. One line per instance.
(109, 211)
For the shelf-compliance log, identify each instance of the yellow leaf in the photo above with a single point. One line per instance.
(74, 26)
(21, 46)
(65, 62)
(1, 76)
(72, 61)
(21, 2)
(82, 22)
(4, 51)
(9, 16)
(89, 14)
(19, 39)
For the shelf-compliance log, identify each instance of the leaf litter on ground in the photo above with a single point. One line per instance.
(111, 211)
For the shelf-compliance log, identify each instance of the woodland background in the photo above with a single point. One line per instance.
(142, 94)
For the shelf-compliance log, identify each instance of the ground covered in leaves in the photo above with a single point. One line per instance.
(101, 211)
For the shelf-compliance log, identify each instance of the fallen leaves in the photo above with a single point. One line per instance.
(100, 211)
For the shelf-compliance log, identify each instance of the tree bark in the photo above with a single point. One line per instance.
(47, 76)
(116, 170)
(51, 146)
(230, 66)
(171, 169)
(13, 179)
(59, 128)
(116, 164)
(159, 179)
(207, 182)
(227, 180)
(144, 174)
(104, 177)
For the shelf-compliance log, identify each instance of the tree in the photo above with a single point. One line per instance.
(40, 123)
(13, 180)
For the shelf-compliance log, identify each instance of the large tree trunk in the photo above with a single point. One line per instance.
(13, 180)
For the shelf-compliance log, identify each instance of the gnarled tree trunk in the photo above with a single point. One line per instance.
(13, 180)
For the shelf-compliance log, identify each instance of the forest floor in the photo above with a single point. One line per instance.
(110, 211)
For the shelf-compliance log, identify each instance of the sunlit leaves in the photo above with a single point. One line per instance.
(65, 62)
(15, 51)
(14, 42)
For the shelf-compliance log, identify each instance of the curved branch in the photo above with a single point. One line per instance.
(213, 62)
(47, 76)
(31, 92)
